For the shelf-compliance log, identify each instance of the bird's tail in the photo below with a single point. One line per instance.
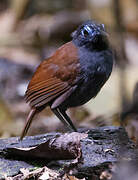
(28, 122)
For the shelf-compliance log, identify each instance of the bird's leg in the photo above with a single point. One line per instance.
(64, 118)
(63, 112)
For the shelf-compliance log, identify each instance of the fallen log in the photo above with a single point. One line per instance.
(95, 151)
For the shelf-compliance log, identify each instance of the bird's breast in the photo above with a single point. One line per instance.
(86, 90)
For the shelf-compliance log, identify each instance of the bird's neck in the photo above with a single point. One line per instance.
(91, 60)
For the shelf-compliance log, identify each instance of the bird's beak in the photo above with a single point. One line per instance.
(104, 33)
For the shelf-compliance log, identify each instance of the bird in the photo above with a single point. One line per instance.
(72, 76)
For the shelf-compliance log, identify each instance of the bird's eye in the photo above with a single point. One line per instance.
(85, 32)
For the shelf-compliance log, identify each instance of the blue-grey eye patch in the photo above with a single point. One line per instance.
(103, 26)
(86, 30)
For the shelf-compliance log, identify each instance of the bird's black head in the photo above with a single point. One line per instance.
(91, 35)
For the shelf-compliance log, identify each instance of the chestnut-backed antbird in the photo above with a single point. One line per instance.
(73, 75)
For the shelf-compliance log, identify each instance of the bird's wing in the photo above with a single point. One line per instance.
(54, 76)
